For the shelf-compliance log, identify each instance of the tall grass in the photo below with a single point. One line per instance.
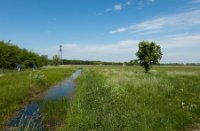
(49, 116)
(17, 88)
(54, 112)
(126, 98)
(30, 123)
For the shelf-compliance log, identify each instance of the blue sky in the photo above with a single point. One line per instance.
(107, 30)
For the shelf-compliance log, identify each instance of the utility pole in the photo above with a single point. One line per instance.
(61, 50)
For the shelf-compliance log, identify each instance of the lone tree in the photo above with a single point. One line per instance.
(149, 53)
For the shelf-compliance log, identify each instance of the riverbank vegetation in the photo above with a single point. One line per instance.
(17, 88)
(54, 112)
(126, 98)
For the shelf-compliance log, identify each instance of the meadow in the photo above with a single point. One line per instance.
(110, 98)
(126, 98)
(18, 88)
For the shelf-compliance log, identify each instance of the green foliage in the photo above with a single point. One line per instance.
(39, 78)
(56, 60)
(11, 55)
(132, 62)
(16, 88)
(86, 62)
(149, 53)
(115, 98)
(54, 112)
(44, 59)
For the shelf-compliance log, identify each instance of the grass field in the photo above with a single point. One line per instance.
(126, 98)
(17, 88)
(110, 98)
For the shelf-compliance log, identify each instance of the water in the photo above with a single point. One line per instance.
(63, 89)
(29, 117)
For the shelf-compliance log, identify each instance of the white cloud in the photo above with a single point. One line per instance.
(181, 41)
(195, 1)
(118, 7)
(181, 57)
(176, 48)
(180, 48)
(123, 5)
(143, 3)
(120, 51)
(176, 20)
(118, 30)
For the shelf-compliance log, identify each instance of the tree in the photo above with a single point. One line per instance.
(11, 55)
(56, 60)
(148, 54)
(44, 59)
(133, 62)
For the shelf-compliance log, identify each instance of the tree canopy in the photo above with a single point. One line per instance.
(149, 53)
(11, 55)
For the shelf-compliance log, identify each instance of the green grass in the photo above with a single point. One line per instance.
(53, 112)
(110, 98)
(126, 98)
(17, 88)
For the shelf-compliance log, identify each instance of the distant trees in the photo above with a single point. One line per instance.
(149, 53)
(11, 55)
(134, 62)
(87, 62)
(44, 59)
(81, 62)
(56, 60)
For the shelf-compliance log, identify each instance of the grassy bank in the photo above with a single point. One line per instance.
(54, 112)
(126, 98)
(17, 88)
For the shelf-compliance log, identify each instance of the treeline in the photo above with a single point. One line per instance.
(181, 64)
(56, 61)
(87, 62)
(11, 55)
(193, 64)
